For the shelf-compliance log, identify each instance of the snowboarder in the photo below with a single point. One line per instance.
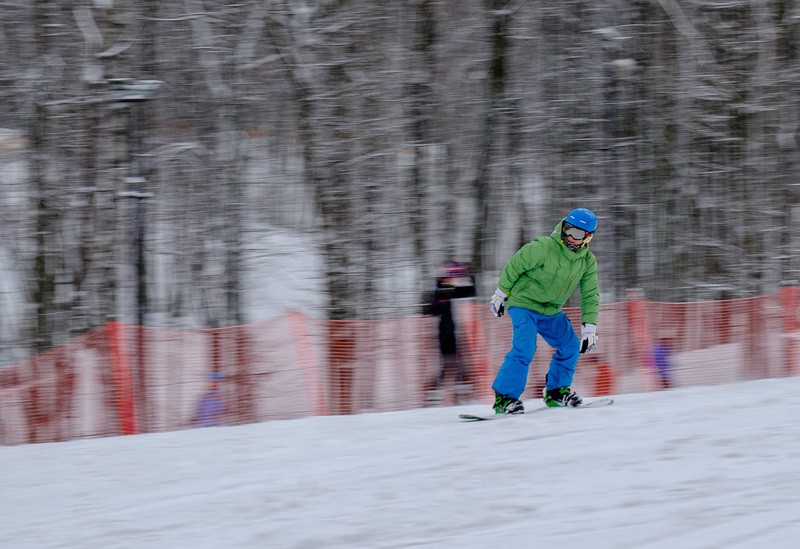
(454, 283)
(662, 361)
(535, 284)
(211, 408)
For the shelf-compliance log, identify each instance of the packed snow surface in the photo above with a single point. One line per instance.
(714, 467)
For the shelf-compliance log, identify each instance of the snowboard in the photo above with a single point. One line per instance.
(596, 403)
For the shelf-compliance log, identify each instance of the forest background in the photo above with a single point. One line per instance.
(200, 164)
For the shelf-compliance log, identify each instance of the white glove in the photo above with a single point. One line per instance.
(498, 303)
(588, 338)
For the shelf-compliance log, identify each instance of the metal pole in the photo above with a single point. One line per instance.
(614, 66)
(136, 190)
(135, 93)
(612, 174)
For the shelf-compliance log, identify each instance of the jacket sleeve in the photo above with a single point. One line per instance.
(525, 259)
(590, 294)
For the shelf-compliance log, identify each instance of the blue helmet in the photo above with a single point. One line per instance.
(582, 218)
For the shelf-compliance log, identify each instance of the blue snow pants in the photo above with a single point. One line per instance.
(557, 331)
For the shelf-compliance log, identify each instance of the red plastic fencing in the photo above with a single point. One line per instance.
(123, 379)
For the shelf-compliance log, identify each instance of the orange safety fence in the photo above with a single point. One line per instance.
(123, 379)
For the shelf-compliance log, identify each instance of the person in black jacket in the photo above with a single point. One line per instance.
(454, 283)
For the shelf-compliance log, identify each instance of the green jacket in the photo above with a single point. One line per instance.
(544, 273)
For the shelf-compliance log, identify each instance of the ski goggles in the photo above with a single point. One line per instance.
(575, 232)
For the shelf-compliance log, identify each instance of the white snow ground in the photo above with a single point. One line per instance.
(710, 467)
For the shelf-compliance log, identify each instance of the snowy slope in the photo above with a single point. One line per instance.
(713, 467)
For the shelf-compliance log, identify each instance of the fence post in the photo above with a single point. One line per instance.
(245, 405)
(479, 350)
(790, 299)
(304, 349)
(641, 339)
(341, 365)
(121, 371)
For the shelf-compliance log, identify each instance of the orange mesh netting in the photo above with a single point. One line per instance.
(121, 379)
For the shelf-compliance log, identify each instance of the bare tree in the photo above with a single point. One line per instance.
(396, 134)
